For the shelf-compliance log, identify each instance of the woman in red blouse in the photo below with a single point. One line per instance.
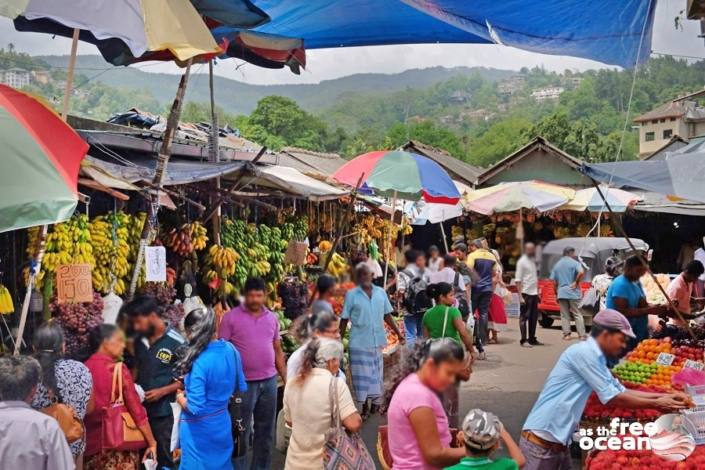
(108, 342)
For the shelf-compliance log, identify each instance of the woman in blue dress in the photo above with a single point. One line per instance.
(213, 372)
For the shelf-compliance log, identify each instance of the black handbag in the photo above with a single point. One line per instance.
(238, 425)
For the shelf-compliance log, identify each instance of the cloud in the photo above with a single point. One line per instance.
(333, 63)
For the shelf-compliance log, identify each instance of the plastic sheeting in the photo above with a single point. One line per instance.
(608, 31)
(680, 174)
(292, 181)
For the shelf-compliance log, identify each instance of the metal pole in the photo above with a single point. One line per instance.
(389, 240)
(214, 150)
(41, 241)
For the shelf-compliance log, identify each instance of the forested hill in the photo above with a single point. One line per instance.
(241, 98)
(478, 115)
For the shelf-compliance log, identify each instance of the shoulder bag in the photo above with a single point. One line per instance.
(343, 451)
(66, 416)
(119, 430)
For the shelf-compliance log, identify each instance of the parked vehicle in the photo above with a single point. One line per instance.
(592, 253)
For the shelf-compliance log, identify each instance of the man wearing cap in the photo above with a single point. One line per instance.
(581, 370)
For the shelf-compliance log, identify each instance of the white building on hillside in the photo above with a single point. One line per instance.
(548, 93)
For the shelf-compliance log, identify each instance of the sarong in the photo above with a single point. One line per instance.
(366, 368)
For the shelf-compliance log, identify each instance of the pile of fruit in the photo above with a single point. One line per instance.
(653, 293)
(643, 460)
(109, 243)
(289, 345)
(6, 303)
(77, 320)
(187, 239)
(596, 411)
(371, 228)
(338, 267)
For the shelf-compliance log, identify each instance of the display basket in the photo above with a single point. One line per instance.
(696, 416)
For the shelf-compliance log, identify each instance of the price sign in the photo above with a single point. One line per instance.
(690, 364)
(665, 359)
(74, 283)
(155, 261)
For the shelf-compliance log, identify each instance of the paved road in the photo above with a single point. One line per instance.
(507, 383)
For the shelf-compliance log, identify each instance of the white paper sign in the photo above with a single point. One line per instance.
(155, 263)
(665, 359)
(694, 365)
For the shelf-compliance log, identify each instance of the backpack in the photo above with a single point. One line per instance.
(416, 300)
(462, 299)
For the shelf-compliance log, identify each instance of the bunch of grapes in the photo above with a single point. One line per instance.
(173, 314)
(164, 293)
(77, 320)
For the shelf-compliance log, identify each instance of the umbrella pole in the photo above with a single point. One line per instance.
(41, 239)
(172, 125)
(389, 239)
(443, 233)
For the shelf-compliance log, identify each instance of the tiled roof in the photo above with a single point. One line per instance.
(667, 110)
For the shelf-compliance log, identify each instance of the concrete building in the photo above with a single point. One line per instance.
(548, 93)
(682, 117)
(511, 85)
(40, 76)
(15, 77)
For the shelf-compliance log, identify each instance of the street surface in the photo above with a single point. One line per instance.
(507, 383)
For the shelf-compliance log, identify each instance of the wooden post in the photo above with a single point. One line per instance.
(41, 240)
(214, 151)
(389, 240)
(172, 125)
(342, 223)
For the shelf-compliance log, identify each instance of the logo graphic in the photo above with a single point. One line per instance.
(673, 439)
(164, 355)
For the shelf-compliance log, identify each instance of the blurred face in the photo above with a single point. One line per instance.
(434, 254)
(530, 250)
(485, 244)
(448, 299)
(114, 346)
(442, 375)
(254, 300)
(421, 262)
(146, 324)
(332, 332)
(612, 344)
(333, 366)
(461, 255)
(364, 277)
(635, 273)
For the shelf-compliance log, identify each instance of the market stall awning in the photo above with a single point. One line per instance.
(589, 199)
(608, 31)
(289, 181)
(142, 171)
(660, 203)
(680, 174)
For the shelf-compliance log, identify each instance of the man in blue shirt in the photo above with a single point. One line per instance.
(566, 276)
(626, 295)
(367, 307)
(581, 370)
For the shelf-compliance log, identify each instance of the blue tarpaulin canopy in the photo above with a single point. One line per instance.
(608, 31)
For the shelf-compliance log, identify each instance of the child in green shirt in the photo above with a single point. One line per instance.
(482, 433)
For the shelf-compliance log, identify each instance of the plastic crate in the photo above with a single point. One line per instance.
(695, 422)
(697, 393)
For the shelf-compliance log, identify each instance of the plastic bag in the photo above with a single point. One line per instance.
(111, 307)
(176, 411)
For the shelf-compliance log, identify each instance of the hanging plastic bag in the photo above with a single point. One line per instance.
(111, 308)
(176, 411)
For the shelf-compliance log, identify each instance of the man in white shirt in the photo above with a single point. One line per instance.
(527, 287)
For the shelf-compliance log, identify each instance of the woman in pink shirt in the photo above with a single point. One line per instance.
(419, 436)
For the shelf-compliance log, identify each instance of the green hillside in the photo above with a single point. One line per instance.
(241, 98)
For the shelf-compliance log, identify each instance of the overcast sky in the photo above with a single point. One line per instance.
(333, 63)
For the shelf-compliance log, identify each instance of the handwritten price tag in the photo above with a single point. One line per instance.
(690, 364)
(665, 359)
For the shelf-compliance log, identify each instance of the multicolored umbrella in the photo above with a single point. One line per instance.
(509, 197)
(39, 168)
(399, 174)
(589, 199)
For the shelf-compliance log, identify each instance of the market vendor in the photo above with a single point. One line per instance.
(626, 295)
(580, 371)
(680, 290)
